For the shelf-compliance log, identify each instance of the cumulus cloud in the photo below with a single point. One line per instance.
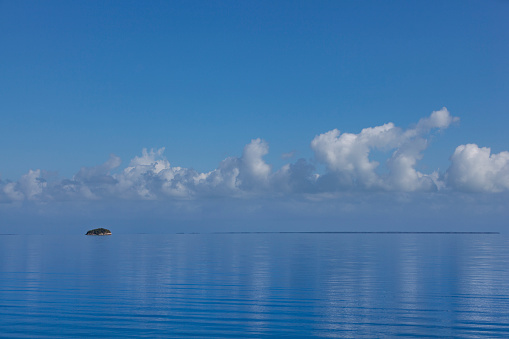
(347, 157)
(148, 177)
(29, 187)
(347, 154)
(475, 169)
(254, 171)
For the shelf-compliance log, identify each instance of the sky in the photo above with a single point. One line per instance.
(188, 116)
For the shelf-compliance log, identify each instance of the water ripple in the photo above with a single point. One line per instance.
(253, 285)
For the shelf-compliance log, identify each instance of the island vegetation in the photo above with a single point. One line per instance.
(99, 231)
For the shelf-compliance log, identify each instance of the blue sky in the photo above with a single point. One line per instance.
(83, 82)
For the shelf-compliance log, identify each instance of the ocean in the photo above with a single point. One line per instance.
(254, 285)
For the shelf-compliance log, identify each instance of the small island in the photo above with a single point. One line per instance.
(99, 231)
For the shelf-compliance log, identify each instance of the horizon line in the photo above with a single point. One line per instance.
(350, 232)
(301, 232)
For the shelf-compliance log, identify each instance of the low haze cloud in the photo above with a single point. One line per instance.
(346, 157)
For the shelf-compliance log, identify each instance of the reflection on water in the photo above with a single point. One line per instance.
(250, 285)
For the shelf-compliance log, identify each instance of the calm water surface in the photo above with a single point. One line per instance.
(254, 285)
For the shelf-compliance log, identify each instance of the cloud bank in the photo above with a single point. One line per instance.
(347, 158)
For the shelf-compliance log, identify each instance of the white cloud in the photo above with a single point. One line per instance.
(438, 119)
(30, 187)
(236, 176)
(347, 158)
(347, 155)
(145, 177)
(475, 169)
(254, 171)
(11, 193)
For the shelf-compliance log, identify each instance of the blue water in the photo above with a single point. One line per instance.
(254, 285)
